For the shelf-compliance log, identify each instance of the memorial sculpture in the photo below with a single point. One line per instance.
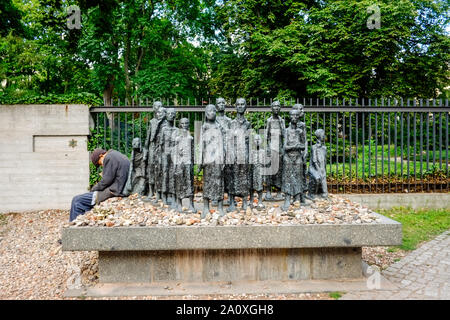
(167, 165)
(184, 165)
(317, 167)
(257, 165)
(275, 129)
(293, 147)
(158, 170)
(238, 149)
(150, 147)
(212, 161)
(225, 123)
(136, 174)
(228, 163)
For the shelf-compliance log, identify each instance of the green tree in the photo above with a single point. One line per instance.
(10, 19)
(45, 60)
(141, 47)
(325, 49)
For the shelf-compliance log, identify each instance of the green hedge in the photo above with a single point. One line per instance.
(78, 98)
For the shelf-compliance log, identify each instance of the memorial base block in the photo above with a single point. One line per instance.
(230, 265)
(211, 254)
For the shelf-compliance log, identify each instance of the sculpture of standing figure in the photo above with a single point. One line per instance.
(167, 165)
(149, 149)
(136, 175)
(302, 125)
(275, 132)
(292, 185)
(225, 123)
(258, 155)
(317, 173)
(158, 169)
(238, 149)
(212, 161)
(184, 165)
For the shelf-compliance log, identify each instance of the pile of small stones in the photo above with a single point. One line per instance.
(133, 211)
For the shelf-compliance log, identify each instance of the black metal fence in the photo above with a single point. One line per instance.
(374, 145)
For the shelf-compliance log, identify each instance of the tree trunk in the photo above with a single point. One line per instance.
(107, 92)
(126, 71)
(107, 99)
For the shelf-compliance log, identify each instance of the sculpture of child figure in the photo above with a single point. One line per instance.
(184, 165)
(316, 172)
(136, 174)
(293, 146)
(212, 161)
(257, 164)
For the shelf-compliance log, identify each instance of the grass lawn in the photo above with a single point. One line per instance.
(2, 219)
(383, 162)
(336, 295)
(419, 225)
(2, 224)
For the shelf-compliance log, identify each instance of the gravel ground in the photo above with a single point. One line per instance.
(382, 257)
(32, 263)
(34, 267)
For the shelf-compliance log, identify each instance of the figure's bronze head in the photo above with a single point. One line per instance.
(184, 123)
(210, 112)
(220, 104)
(299, 107)
(171, 114)
(295, 115)
(161, 113)
(241, 105)
(320, 135)
(157, 105)
(276, 107)
(136, 143)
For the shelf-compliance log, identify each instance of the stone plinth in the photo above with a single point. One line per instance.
(231, 253)
(206, 265)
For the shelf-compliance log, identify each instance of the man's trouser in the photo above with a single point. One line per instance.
(81, 204)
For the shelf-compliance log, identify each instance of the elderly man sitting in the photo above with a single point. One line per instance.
(114, 177)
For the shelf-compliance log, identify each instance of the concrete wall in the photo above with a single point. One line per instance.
(413, 200)
(44, 160)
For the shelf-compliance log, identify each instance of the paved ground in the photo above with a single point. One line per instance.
(423, 274)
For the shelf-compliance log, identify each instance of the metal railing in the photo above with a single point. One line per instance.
(374, 145)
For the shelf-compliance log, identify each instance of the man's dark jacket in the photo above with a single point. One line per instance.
(114, 176)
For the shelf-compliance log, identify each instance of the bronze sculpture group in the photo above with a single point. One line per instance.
(232, 158)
